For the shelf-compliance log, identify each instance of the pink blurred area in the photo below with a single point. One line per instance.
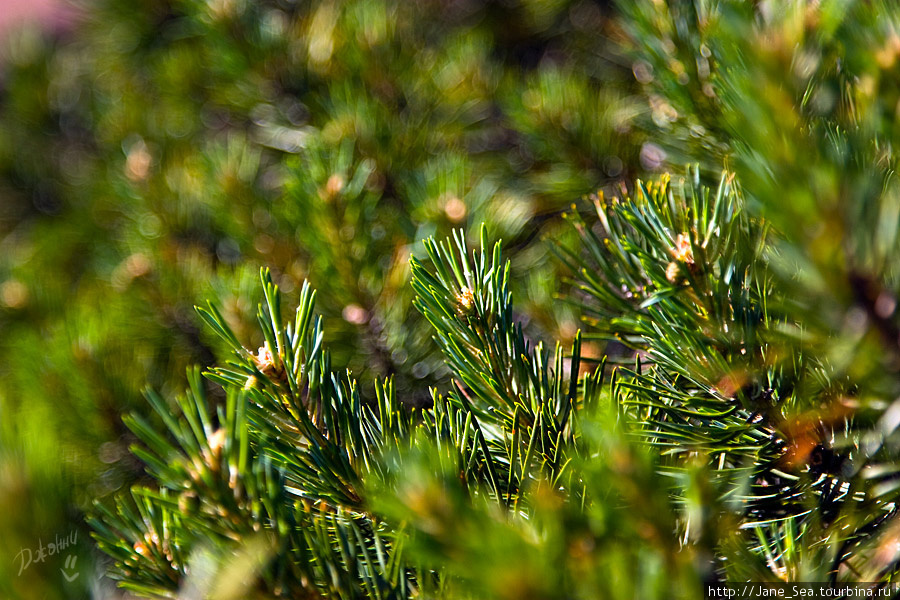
(52, 14)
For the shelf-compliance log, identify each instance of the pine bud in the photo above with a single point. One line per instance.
(210, 459)
(675, 272)
(333, 187)
(465, 301)
(217, 441)
(188, 503)
(265, 362)
(683, 253)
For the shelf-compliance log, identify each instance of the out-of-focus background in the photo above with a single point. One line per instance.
(39, 13)
(154, 154)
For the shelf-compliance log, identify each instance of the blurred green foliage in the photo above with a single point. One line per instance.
(153, 155)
